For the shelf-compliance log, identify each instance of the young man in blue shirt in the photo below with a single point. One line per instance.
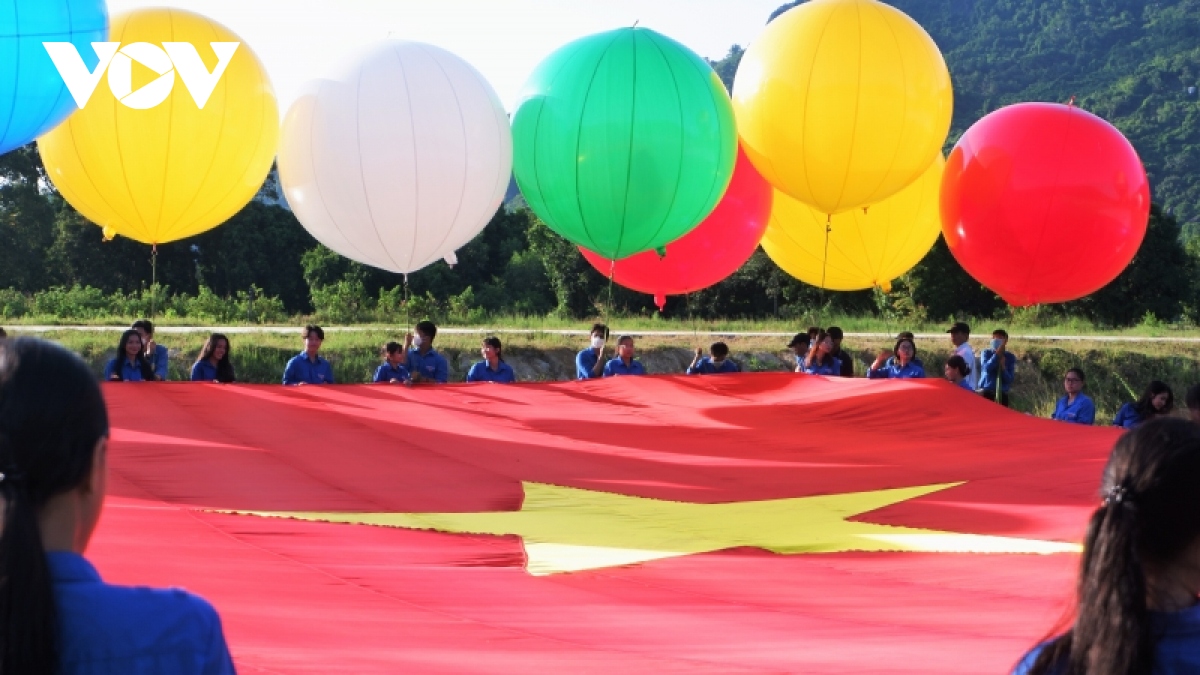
(990, 366)
(1075, 406)
(589, 363)
(309, 367)
(624, 363)
(716, 362)
(390, 371)
(492, 368)
(424, 363)
(156, 354)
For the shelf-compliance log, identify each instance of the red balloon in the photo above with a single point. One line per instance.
(711, 251)
(1043, 202)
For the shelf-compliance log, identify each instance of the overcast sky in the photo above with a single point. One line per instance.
(505, 39)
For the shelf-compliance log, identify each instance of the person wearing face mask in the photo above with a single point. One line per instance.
(589, 363)
(624, 363)
(1156, 401)
(424, 363)
(716, 362)
(999, 367)
(1074, 406)
(899, 363)
(492, 368)
(820, 359)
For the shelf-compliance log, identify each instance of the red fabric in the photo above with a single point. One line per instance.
(319, 597)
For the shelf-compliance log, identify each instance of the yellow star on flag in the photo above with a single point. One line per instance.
(567, 529)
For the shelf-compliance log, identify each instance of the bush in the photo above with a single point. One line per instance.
(13, 303)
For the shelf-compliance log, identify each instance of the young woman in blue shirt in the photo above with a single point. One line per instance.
(58, 615)
(1139, 576)
(492, 368)
(130, 364)
(957, 372)
(213, 365)
(900, 363)
(820, 359)
(1074, 406)
(1157, 400)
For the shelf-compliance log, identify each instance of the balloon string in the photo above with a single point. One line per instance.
(824, 265)
(407, 297)
(153, 280)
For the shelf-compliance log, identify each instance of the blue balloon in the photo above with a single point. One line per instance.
(33, 97)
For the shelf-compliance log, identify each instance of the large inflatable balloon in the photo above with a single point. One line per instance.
(866, 247)
(842, 103)
(716, 248)
(398, 160)
(33, 96)
(624, 141)
(174, 146)
(1044, 202)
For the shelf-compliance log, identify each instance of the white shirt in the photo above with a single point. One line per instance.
(968, 353)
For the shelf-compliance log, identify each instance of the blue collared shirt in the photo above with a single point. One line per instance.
(203, 371)
(895, 371)
(831, 367)
(431, 366)
(481, 373)
(1082, 411)
(125, 630)
(989, 365)
(130, 372)
(966, 384)
(386, 372)
(585, 364)
(707, 367)
(1127, 417)
(302, 370)
(159, 361)
(617, 367)
(1176, 650)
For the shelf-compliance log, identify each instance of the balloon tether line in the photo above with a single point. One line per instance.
(824, 265)
(153, 280)
(407, 297)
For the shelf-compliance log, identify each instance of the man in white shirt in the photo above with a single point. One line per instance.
(959, 334)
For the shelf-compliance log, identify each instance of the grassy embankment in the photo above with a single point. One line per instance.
(1112, 368)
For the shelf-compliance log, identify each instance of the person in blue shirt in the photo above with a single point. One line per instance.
(1139, 578)
(59, 615)
(958, 373)
(990, 369)
(391, 371)
(424, 363)
(624, 363)
(156, 354)
(589, 363)
(309, 367)
(820, 359)
(1157, 400)
(898, 363)
(1074, 406)
(916, 360)
(130, 364)
(492, 368)
(717, 361)
(213, 364)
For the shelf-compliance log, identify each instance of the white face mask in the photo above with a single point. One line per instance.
(597, 342)
(417, 341)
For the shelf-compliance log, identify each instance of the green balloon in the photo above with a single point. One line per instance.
(623, 141)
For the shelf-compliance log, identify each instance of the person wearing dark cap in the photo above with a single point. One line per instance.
(959, 334)
(847, 361)
(799, 346)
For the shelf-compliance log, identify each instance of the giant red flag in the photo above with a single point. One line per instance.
(722, 523)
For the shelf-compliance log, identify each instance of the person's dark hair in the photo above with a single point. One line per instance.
(601, 328)
(3, 333)
(811, 358)
(224, 366)
(1001, 333)
(1145, 405)
(494, 343)
(1150, 516)
(143, 365)
(911, 343)
(1078, 372)
(427, 328)
(313, 329)
(960, 364)
(624, 338)
(835, 332)
(906, 335)
(1192, 397)
(719, 349)
(392, 347)
(813, 331)
(144, 324)
(51, 417)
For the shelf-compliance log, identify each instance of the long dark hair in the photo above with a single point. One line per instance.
(51, 417)
(224, 366)
(810, 359)
(143, 365)
(1145, 405)
(1150, 515)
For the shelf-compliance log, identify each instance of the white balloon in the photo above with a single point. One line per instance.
(400, 160)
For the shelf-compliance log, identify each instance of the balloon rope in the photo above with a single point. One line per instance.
(153, 280)
(407, 318)
(824, 264)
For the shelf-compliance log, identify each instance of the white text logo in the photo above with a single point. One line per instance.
(172, 57)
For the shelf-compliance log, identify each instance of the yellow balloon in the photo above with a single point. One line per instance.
(842, 103)
(865, 249)
(166, 145)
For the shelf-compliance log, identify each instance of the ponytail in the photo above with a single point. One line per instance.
(52, 415)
